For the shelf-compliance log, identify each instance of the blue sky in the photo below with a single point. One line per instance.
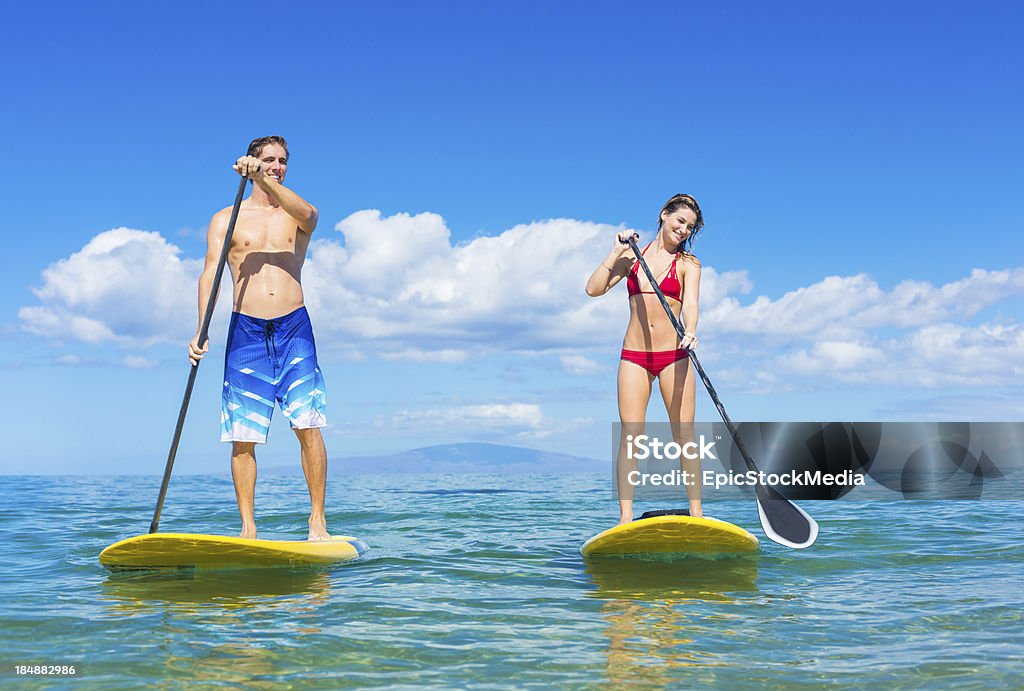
(858, 167)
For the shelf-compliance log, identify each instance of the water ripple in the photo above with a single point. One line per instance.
(472, 583)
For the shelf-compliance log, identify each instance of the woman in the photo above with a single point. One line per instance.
(651, 348)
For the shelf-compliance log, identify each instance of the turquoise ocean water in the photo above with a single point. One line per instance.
(476, 581)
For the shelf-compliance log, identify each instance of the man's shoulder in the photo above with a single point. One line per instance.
(221, 218)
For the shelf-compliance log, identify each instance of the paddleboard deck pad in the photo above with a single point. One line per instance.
(188, 550)
(666, 533)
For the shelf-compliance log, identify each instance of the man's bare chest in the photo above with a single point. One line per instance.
(265, 232)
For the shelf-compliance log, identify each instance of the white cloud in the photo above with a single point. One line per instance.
(579, 365)
(521, 414)
(499, 422)
(489, 418)
(827, 357)
(70, 360)
(137, 362)
(399, 277)
(127, 286)
(398, 288)
(844, 331)
(415, 355)
(844, 308)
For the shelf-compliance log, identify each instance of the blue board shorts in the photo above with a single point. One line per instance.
(270, 360)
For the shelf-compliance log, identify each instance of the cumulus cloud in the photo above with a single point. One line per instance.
(400, 277)
(841, 308)
(128, 286)
(398, 288)
(845, 331)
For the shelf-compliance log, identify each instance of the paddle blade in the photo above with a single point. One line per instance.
(783, 521)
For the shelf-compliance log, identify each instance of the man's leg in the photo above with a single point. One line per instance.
(314, 465)
(243, 472)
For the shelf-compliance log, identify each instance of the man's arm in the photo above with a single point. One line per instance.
(214, 244)
(304, 213)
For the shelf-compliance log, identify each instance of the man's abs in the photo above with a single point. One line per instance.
(267, 253)
(267, 287)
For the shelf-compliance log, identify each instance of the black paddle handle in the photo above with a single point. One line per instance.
(693, 358)
(204, 332)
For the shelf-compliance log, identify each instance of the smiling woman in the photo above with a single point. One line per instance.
(652, 348)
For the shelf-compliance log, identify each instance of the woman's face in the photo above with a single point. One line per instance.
(678, 225)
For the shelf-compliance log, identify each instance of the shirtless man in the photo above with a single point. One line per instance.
(271, 355)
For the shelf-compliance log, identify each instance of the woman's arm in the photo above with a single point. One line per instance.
(691, 294)
(612, 268)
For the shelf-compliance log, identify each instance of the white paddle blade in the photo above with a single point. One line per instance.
(789, 525)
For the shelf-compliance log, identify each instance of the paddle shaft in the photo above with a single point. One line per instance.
(761, 492)
(204, 332)
(693, 356)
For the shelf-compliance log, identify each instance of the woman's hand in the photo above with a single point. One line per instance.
(622, 240)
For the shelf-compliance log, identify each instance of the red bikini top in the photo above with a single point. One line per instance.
(670, 286)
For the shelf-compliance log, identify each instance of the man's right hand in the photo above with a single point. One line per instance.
(250, 167)
(195, 353)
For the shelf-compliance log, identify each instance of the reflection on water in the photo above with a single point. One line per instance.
(254, 617)
(238, 664)
(677, 581)
(648, 607)
(194, 590)
(471, 591)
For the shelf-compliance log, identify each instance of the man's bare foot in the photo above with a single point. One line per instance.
(625, 518)
(318, 531)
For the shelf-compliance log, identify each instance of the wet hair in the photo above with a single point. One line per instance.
(674, 204)
(256, 145)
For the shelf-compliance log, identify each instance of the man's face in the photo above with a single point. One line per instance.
(275, 161)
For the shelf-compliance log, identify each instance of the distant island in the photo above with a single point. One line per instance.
(453, 459)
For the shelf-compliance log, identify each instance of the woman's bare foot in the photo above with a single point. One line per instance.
(695, 510)
(625, 518)
(248, 532)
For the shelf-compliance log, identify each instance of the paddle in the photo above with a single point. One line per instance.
(782, 520)
(204, 333)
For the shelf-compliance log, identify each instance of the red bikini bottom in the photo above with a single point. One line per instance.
(655, 361)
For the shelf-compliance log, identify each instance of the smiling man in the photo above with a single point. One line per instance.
(271, 356)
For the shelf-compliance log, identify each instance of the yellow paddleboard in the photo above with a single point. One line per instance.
(184, 550)
(666, 535)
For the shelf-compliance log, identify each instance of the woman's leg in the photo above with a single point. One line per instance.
(634, 385)
(678, 389)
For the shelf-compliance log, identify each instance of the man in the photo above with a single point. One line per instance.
(271, 355)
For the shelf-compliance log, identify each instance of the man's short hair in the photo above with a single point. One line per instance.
(256, 145)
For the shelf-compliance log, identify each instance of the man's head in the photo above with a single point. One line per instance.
(256, 145)
(273, 152)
